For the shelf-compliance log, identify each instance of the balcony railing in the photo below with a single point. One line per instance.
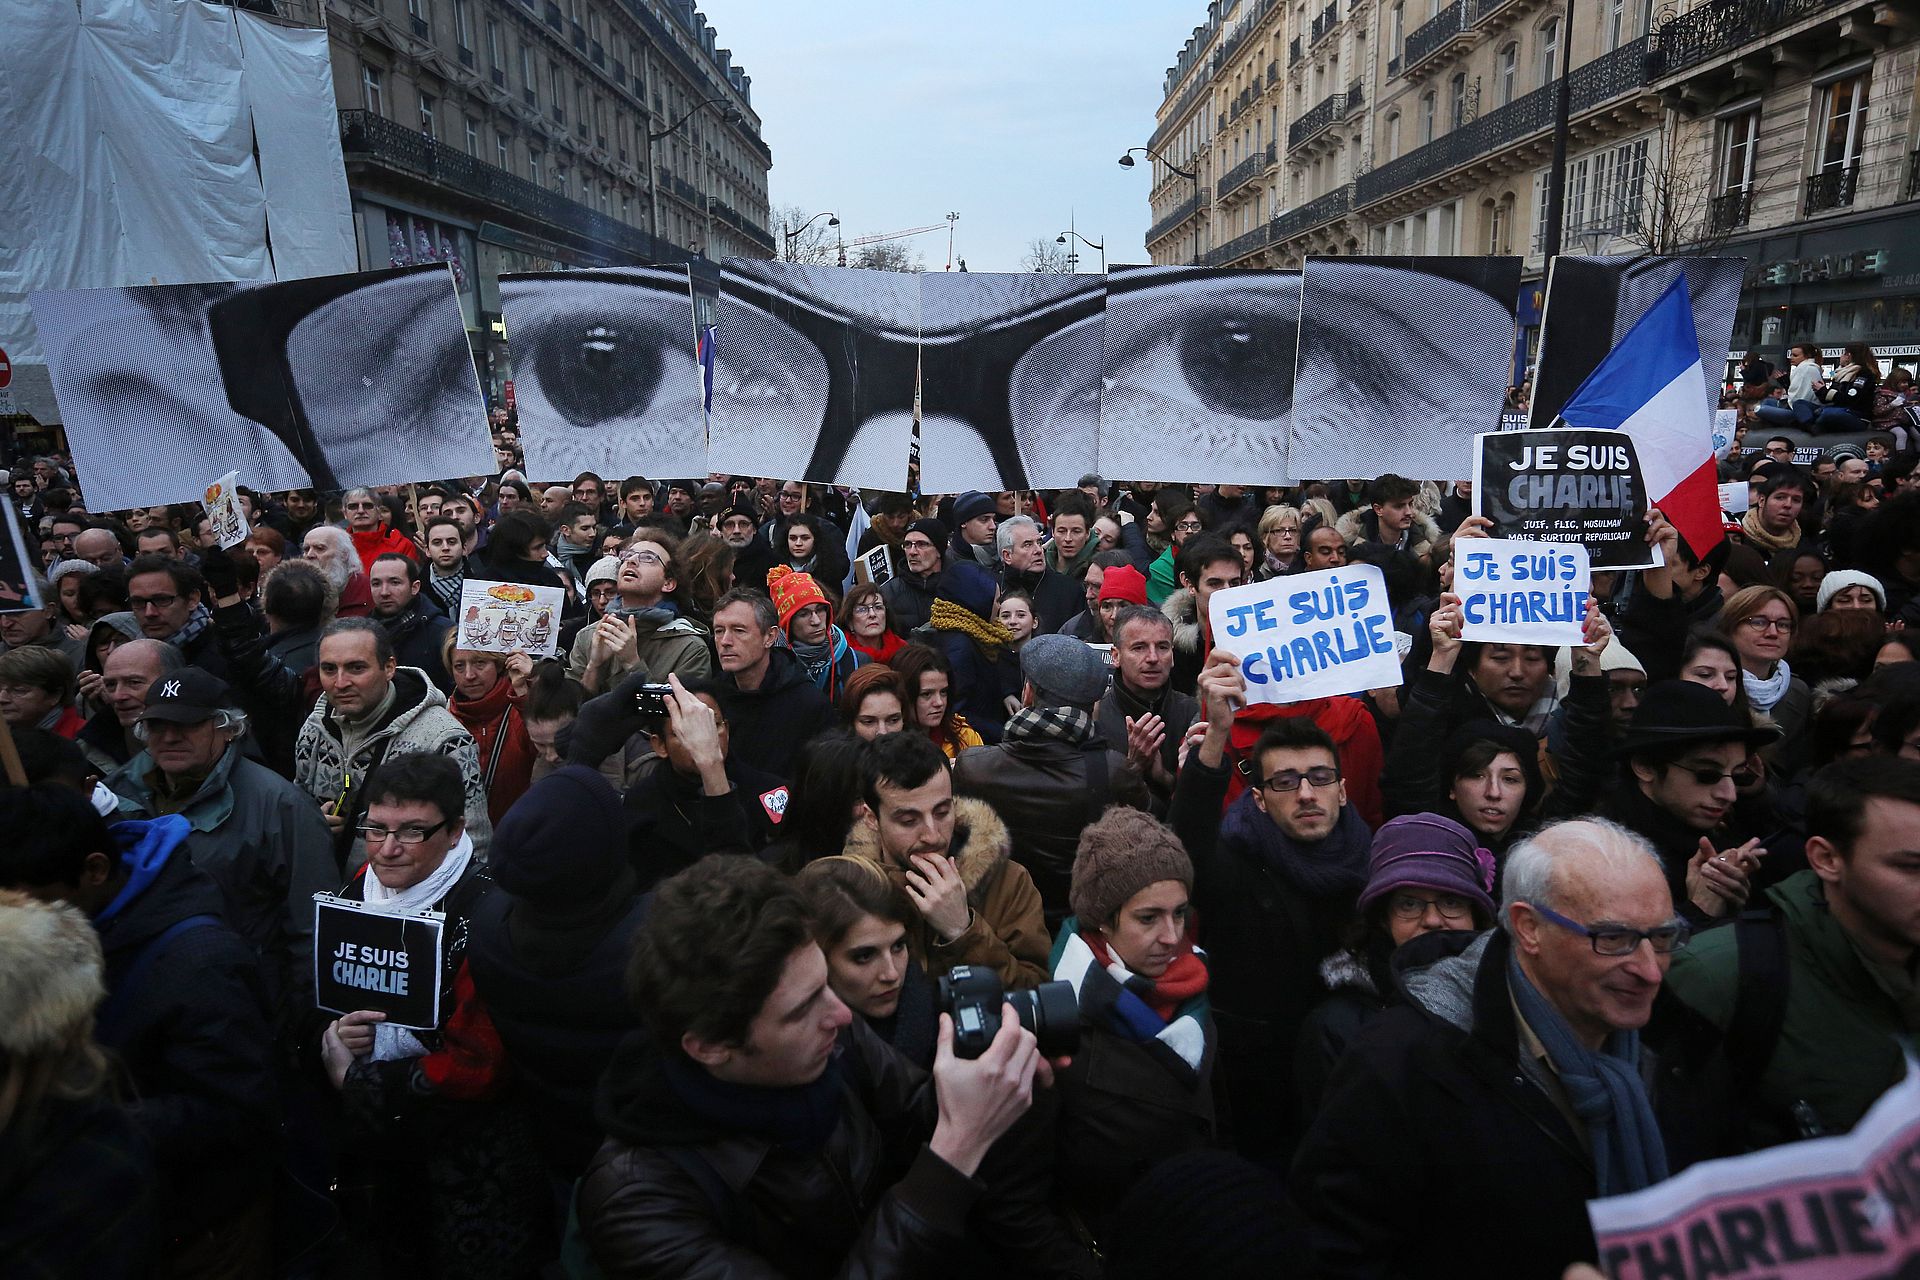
(1729, 212)
(1236, 248)
(1184, 210)
(1605, 78)
(1721, 26)
(1324, 115)
(371, 138)
(1323, 24)
(1314, 213)
(1356, 96)
(1832, 188)
(1252, 167)
(1433, 36)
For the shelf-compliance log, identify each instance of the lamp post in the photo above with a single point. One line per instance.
(1191, 175)
(1557, 172)
(1091, 244)
(730, 116)
(833, 220)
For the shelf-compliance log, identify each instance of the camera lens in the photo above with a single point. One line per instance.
(1052, 1013)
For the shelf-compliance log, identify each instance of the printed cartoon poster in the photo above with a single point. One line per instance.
(230, 527)
(507, 617)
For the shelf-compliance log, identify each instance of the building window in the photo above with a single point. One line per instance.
(473, 137)
(1739, 138)
(1604, 189)
(463, 24)
(426, 115)
(1397, 32)
(373, 89)
(1457, 100)
(1843, 113)
(420, 10)
(555, 90)
(527, 77)
(1549, 51)
(1393, 135)
(533, 167)
(502, 152)
(495, 54)
(1427, 112)
(1509, 73)
(1494, 217)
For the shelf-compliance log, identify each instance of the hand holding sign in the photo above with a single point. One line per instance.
(1517, 592)
(1309, 635)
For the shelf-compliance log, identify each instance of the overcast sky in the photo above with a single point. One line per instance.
(1010, 112)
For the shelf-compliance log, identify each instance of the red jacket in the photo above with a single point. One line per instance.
(380, 542)
(890, 644)
(1355, 736)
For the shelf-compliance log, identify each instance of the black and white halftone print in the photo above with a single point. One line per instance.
(1403, 360)
(325, 382)
(1009, 380)
(1198, 382)
(604, 372)
(814, 373)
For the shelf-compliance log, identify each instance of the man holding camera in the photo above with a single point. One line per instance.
(762, 1129)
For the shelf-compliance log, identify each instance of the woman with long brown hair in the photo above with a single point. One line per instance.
(929, 678)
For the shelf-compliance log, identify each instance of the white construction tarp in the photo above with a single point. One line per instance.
(127, 138)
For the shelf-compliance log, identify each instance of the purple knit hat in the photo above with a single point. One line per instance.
(1427, 851)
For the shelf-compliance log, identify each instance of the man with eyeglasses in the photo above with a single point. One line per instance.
(1807, 1002)
(909, 593)
(444, 1080)
(167, 599)
(1684, 767)
(1508, 1087)
(643, 629)
(258, 836)
(1276, 878)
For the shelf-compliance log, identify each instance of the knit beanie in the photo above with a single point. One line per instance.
(935, 532)
(1119, 855)
(793, 592)
(971, 505)
(1615, 657)
(605, 569)
(1830, 586)
(64, 567)
(1124, 582)
(563, 842)
(1428, 851)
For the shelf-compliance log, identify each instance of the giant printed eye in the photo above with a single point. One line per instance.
(1239, 364)
(597, 370)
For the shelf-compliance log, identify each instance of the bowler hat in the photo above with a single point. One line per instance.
(1675, 713)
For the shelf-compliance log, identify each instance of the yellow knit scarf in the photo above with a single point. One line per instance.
(1757, 534)
(990, 636)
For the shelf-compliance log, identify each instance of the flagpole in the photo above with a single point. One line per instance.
(1557, 172)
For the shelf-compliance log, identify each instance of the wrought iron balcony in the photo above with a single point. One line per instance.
(1184, 210)
(1323, 24)
(371, 139)
(1252, 167)
(1314, 213)
(1721, 26)
(1729, 212)
(1605, 78)
(1324, 115)
(1273, 73)
(1832, 188)
(1437, 34)
(1236, 248)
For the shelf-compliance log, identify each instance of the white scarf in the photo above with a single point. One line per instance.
(1765, 692)
(1184, 1035)
(394, 1043)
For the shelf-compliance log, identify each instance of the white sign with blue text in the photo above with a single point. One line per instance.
(1309, 635)
(1517, 592)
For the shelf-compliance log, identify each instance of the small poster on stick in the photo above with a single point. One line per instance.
(1514, 592)
(367, 959)
(509, 617)
(1566, 485)
(1309, 635)
(874, 565)
(230, 527)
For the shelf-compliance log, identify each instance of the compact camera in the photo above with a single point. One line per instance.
(972, 996)
(651, 700)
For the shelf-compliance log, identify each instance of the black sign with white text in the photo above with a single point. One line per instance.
(366, 959)
(1566, 485)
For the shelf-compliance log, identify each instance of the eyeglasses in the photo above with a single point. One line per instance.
(1321, 775)
(1710, 777)
(918, 544)
(408, 836)
(141, 604)
(1760, 624)
(1188, 526)
(1617, 939)
(1408, 906)
(870, 606)
(644, 557)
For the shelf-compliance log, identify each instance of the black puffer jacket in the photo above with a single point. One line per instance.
(766, 726)
(416, 633)
(910, 596)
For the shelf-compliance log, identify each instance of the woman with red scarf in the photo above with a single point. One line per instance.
(1139, 1088)
(488, 689)
(868, 623)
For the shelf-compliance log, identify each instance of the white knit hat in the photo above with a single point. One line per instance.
(1840, 579)
(605, 569)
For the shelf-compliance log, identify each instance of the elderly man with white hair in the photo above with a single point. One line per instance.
(1509, 1088)
(1023, 566)
(332, 549)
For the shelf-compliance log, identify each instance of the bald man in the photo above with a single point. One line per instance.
(120, 692)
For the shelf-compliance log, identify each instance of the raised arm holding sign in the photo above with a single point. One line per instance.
(1309, 635)
(1522, 592)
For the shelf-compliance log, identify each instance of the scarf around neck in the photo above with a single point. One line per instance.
(798, 1117)
(197, 622)
(391, 1043)
(1050, 724)
(1604, 1088)
(1328, 868)
(1168, 1013)
(1757, 534)
(948, 615)
(1765, 692)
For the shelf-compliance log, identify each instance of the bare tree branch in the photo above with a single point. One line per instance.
(1044, 256)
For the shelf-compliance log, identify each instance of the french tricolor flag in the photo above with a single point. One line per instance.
(1653, 387)
(703, 352)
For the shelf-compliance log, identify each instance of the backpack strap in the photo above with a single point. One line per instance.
(1760, 1000)
(121, 1001)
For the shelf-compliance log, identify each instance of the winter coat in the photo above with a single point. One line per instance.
(910, 596)
(384, 540)
(1676, 842)
(1176, 710)
(1046, 793)
(872, 1201)
(276, 694)
(664, 644)
(1056, 597)
(1839, 1046)
(1357, 991)
(1008, 932)
(416, 633)
(1265, 937)
(554, 985)
(1363, 526)
(981, 685)
(1163, 578)
(675, 823)
(417, 721)
(767, 726)
(500, 742)
(76, 1192)
(1191, 639)
(1434, 1120)
(263, 842)
(187, 1016)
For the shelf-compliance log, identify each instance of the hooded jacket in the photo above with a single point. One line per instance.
(767, 726)
(380, 541)
(1363, 526)
(1190, 639)
(417, 721)
(416, 632)
(266, 847)
(187, 1015)
(1007, 931)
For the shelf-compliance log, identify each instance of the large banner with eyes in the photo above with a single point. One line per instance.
(326, 383)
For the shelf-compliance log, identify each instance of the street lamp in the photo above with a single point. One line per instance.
(1091, 244)
(833, 220)
(730, 116)
(1191, 175)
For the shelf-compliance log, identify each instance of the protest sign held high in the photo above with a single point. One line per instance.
(1518, 592)
(508, 617)
(1566, 485)
(1309, 635)
(230, 527)
(370, 960)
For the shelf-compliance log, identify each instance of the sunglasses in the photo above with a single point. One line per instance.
(1708, 776)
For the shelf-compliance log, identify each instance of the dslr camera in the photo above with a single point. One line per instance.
(973, 997)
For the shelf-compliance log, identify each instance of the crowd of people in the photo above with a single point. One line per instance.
(809, 912)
